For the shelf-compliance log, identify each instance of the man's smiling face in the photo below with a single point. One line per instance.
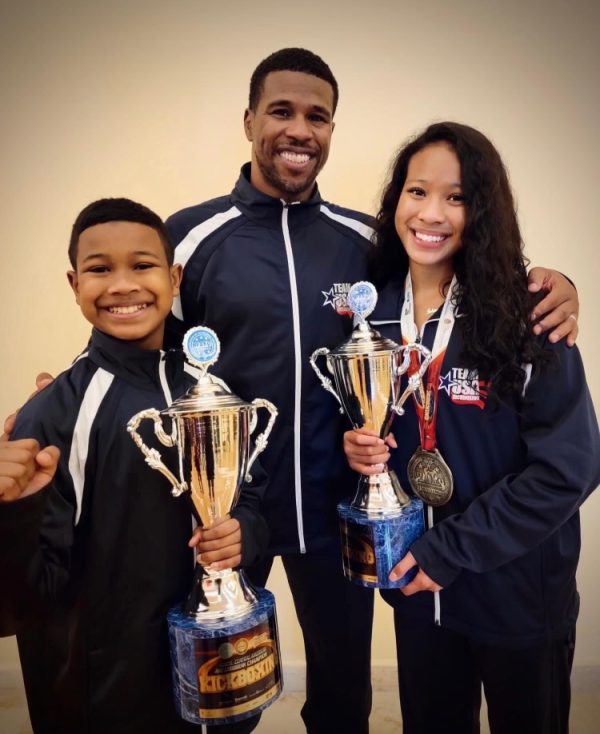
(290, 131)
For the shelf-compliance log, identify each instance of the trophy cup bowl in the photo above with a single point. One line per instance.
(381, 522)
(223, 638)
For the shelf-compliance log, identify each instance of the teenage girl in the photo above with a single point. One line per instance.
(502, 444)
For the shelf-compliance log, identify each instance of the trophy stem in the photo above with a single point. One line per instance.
(217, 595)
(380, 495)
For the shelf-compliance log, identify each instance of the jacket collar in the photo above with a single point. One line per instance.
(126, 360)
(268, 209)
(389, 301)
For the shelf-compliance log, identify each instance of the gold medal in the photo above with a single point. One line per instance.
(430, 477)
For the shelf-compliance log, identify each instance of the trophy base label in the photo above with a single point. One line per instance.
(358, 552)
(236, 673)
(225, 672)
(372, 546)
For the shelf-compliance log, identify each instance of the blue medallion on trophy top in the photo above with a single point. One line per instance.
(362, 298)
(201, 346)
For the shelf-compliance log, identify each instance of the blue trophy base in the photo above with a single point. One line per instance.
(225, 671)
(372, 546)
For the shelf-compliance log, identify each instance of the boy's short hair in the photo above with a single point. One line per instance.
(290, 59)
(117, 210)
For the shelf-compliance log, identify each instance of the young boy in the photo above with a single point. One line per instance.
(92, 563)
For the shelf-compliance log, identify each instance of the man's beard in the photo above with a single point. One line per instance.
(285, 185)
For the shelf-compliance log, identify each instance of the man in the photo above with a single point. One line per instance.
(258, 267)
(268, 268)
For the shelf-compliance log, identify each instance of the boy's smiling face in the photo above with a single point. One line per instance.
(123, 282)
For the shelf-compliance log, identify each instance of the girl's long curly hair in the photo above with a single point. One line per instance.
(490, 266)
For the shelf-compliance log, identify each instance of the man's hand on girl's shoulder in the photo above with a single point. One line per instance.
(559, 309)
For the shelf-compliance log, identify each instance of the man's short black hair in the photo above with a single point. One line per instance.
(117, 210)
(290, 59)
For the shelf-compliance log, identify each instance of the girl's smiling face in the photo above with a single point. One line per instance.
(430, 215)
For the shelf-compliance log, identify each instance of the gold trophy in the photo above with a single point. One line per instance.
(382, 521)
(224, 642)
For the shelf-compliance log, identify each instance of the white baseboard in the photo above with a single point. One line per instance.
(383, 676)
(585, 678)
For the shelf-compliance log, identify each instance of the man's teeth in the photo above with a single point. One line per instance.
(295, 157)
(127, 309)
(430, 237)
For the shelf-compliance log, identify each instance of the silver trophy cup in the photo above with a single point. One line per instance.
(367, 370)
(214, 630)
(211, 429)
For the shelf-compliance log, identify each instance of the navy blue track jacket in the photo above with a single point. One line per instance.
(268, 277)
(91, 588)
(506, 546)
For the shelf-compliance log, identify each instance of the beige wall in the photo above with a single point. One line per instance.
(145, 99)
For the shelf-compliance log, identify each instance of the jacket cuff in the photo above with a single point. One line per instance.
(438, 568)
(19, 536)
(20, 520)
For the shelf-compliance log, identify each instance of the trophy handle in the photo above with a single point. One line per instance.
(152, 456)
(415, 380)
(325, 381)
(262, 439)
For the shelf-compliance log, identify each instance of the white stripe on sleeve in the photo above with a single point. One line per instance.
(96, 390)
(362, 229)
(188, 245)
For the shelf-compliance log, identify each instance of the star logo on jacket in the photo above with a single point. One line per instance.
(464, 387)
(337, 298)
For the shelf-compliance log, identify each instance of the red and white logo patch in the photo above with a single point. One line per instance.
(337, 298)
(464, 387)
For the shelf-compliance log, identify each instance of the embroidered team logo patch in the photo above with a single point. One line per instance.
(464, 387)
(337, 298)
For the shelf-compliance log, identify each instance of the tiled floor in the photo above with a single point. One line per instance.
(284, 716)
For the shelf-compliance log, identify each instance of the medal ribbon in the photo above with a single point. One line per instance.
(426, 406)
